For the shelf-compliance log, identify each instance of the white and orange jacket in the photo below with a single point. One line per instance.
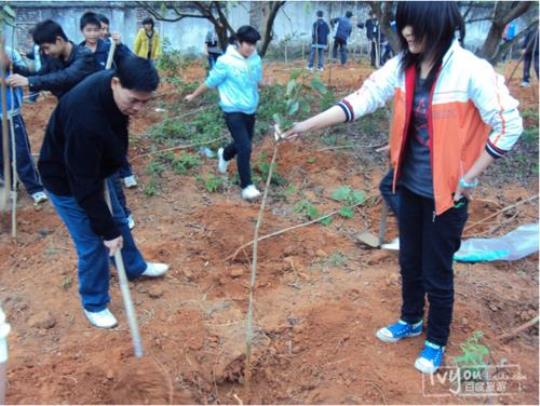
(470, 109)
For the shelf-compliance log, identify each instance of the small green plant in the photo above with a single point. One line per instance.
(67, 282)
(350, 197)
(184, 163)
(151, 188)
(211, 183)
(473, 362)
(155, 168)
(307, 208)
(336, 260)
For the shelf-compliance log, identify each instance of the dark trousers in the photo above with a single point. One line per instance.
(391, 199)
(373, 54)
(342, 45)
(427, 246)
(212, 59)
(26, 170)
(527, 59)
(120, 192)
(125, 170)
(241, 127)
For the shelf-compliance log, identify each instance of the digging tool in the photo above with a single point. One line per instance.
(119, 262)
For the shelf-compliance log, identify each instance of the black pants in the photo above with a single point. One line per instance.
(427, 247)
(527, 59)
(373, 54)
(241, 127)
(342, 45)
(391, 199)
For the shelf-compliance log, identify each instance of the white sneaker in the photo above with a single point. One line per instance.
(102, 319)
(39, 197)
(309, 68)
(131, 222)
(222, 163)
(320, 69)
(525, 84)
(392, 245)
(130, 182)
(250, 193)
(155, 269)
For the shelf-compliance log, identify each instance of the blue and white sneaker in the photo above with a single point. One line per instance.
(397, 331)
(430, 358)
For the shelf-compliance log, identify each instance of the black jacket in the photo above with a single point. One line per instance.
(320, 32)
(85, 142)
(59, 76)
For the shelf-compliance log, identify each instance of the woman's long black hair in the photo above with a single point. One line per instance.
(434, 22)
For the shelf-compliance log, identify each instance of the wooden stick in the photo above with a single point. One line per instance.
(249, 318)
(13, 165)
(285, 230)
(179, 147)
(512, 206)
(519, 329)
(5, 136)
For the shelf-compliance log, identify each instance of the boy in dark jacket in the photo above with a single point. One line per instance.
(65, 64)
(530, 53)
(85, 143)
(343, 33)
(92, 31)
(319, 41)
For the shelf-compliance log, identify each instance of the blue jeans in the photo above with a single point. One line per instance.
(320, 57)
(212, 59)
(26, 169)
(342, 45)
(391, 199)
(93, 256)
(120, 192)
(125, 170)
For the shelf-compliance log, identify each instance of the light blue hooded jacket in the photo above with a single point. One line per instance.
(237, 79)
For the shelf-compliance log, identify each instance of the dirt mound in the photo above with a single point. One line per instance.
(143, 381)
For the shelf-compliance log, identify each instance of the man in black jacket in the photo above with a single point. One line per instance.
(65, 64)
(85, 143)
(319, 41)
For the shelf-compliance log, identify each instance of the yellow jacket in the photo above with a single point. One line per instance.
(141, 45)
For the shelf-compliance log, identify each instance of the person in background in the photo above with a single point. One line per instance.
(530, 54)
(91, 29)
(147, 44)
(105, 25)
(85, 143)
(36, 57)
(26, 170)
(212, 48)
(372, 33)
(237, 76)
(319, 41)
(437, 158)
(343, 32)
(64, 65)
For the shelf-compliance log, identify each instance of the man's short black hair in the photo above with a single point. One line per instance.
(102, 19)
(89, 18)
(320, 13)
(248, 34)
(148, 20)
(137, 73)
(348, 14)
(47, 31)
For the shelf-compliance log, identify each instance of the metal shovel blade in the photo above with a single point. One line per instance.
(370, 239)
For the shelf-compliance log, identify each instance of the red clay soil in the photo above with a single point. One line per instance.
(320, 296)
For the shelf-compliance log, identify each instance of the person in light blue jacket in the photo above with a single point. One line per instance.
(237, 75)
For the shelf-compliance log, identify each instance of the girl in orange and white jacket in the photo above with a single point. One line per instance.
(452, 117)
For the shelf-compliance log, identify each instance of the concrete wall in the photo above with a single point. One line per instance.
(292, 25)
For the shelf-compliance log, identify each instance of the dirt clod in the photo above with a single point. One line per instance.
(42, 319)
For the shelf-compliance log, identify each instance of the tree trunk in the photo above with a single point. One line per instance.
(263, 14)
(504, 13)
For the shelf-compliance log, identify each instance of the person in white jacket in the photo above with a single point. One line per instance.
(453, 116)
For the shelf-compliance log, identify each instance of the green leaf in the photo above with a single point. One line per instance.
(277, 118)
(357, 197)
(318, 86)
(327, 221)
(293, 108)
(290, 87)
(312, 212)
(346, 212)
(341, 193)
